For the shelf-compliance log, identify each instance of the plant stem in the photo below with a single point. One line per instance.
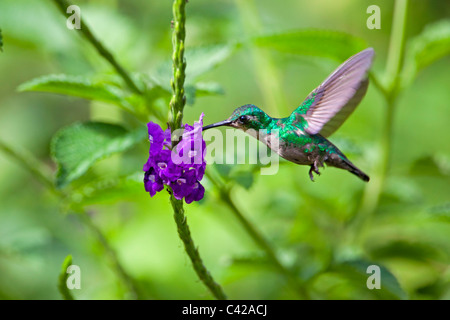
(178, 100)
(117, 266)
(185, 236)
(390, 92)
(177, 104)
(105, 53)
(374, 79)
(38, 170)
(396, 46)
(265, 246)
(258, 238)
(29, 162)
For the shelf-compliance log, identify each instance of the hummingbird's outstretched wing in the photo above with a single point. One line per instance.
(330, 104)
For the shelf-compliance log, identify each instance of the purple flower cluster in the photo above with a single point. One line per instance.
(182, 168)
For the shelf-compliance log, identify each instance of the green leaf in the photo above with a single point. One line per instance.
(440, 212)
(223, 169)
(237, 174)
(401, 190)
(200, 60)
(77, 147)
(77, 86)
(356, 270)
(62, 280)
(202, 89)
(419, 251)
(320, 43)
(434, 289)
(256, 259)
(205, 58)
(429, 46)
(431, 165)
(243, 178)
(110, 190)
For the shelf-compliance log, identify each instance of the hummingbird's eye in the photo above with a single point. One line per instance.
(243, 119)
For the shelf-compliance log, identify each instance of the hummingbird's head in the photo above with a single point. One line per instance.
(244, 118)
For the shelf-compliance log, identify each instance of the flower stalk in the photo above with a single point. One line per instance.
(390, 91)
(177, 104)
(260, 240)
(39, 171)
(105, 53)
(178, 100)
(126, 279)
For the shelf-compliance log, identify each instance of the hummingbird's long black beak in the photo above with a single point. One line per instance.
(217, 124)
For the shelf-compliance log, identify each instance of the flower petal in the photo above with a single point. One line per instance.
(152, 182)
(197, 193)
(156, 137)
(181, 169)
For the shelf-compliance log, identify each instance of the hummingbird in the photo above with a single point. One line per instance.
(302, 137)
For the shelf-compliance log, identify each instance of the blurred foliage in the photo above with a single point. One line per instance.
(78, 147)
(63, 276)
(317, 43)
(432, 44)
(63, 108)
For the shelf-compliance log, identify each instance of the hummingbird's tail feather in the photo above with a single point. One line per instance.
(353, 169)
(346, 164)
(339, 160)
(359, 173)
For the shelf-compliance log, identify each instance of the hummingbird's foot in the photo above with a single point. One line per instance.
(310, 174)
(315, 169)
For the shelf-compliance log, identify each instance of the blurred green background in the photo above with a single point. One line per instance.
(309, 225)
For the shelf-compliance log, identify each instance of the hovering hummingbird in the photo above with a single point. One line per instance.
(302, 136)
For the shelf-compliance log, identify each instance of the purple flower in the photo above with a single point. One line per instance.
(197, 193)
(167, 138)
(181, 168)
(182, 186)
(188, 187)
(148, 165)
(200, 171)
(191, 152)
(156, 138)
(152, 182)
(166, 169)
(191, 149)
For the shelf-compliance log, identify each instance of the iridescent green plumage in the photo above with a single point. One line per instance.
(301, 136)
